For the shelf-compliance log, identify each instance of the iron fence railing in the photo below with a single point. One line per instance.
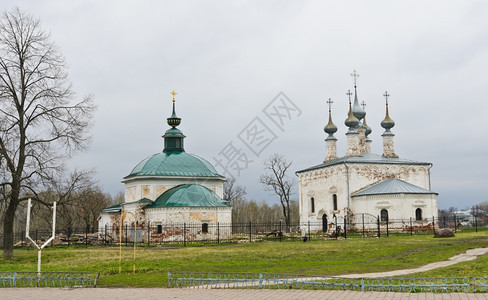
(286, 281)
(48, 279)
(358, 226)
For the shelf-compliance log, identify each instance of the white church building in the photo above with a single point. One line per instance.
(362, 183)
(169, 189)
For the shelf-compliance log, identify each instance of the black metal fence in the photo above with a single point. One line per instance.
(358, 226)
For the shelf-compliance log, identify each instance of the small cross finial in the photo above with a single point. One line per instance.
(330, 103)
(174, 94)
(363, 104)
(386, 95)
(349, 94)
(355, 75)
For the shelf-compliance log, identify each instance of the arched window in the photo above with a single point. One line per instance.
(418, 214)
(334, 201)
(204, 227)
(159, 228)
(384, 215)
(312, 204)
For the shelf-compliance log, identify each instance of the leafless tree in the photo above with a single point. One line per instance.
(233, 191)
(235, 194)
(40, 125)
(276, 180)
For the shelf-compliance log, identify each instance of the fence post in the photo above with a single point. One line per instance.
(105, 235)
(476, 223)
(455, 223)
(218, 232)
(335, 222)
(387, 226)
(148, 233)
(126, 234)
(433, 224)
(308, 229)
(411, 227)
(250, 231)
(184, 234)
(444, 219)
(280, 233)
(345, 228)
(363, 225)
(86, 235)
(378, 222)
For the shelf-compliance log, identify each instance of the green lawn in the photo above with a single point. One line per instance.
(316, 257)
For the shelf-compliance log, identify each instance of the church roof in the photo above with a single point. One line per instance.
(193, 195)
(174, 164)
(366, 158)
(118, 207)
(392, 186)
(113, 208)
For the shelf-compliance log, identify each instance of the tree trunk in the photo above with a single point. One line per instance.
(8, 230)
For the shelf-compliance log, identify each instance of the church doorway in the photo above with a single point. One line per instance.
(324, 223)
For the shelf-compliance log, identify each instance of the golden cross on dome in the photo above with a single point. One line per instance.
(355, 75)
(349, 94)
(386, 95)
(174, 94)
(330, 103)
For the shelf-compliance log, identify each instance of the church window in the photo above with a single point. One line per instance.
(312, 204)
(418, 214)
(159, 228)
(384, 215)
(334, 201)
(204, 227)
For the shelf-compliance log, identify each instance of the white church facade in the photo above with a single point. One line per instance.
(363, 184)
(167, 190)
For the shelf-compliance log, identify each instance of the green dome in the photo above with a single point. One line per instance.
(184, 195)
(174, 164)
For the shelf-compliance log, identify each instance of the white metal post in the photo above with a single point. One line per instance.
(33, 242)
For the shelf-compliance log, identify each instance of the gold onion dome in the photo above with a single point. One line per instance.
(330, 128)
(173, 121)
(387, 123)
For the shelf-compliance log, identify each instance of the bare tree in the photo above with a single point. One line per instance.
(40, 127)
(233, 191)
(276, 180)
(94, 200)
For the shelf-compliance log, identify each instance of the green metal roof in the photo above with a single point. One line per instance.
(113, 208)
(174, 164)
(366, 158)
(193, 195)
(118, 207)
(392, 186)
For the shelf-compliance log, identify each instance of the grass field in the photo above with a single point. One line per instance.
(316, 257)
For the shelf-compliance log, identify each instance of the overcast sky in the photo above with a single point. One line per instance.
(228, 60)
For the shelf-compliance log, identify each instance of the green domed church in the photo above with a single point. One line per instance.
(171, 188)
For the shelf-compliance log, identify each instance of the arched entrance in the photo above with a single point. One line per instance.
(324, 223)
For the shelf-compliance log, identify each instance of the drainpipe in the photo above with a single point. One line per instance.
(428, 170)
(348, 194)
